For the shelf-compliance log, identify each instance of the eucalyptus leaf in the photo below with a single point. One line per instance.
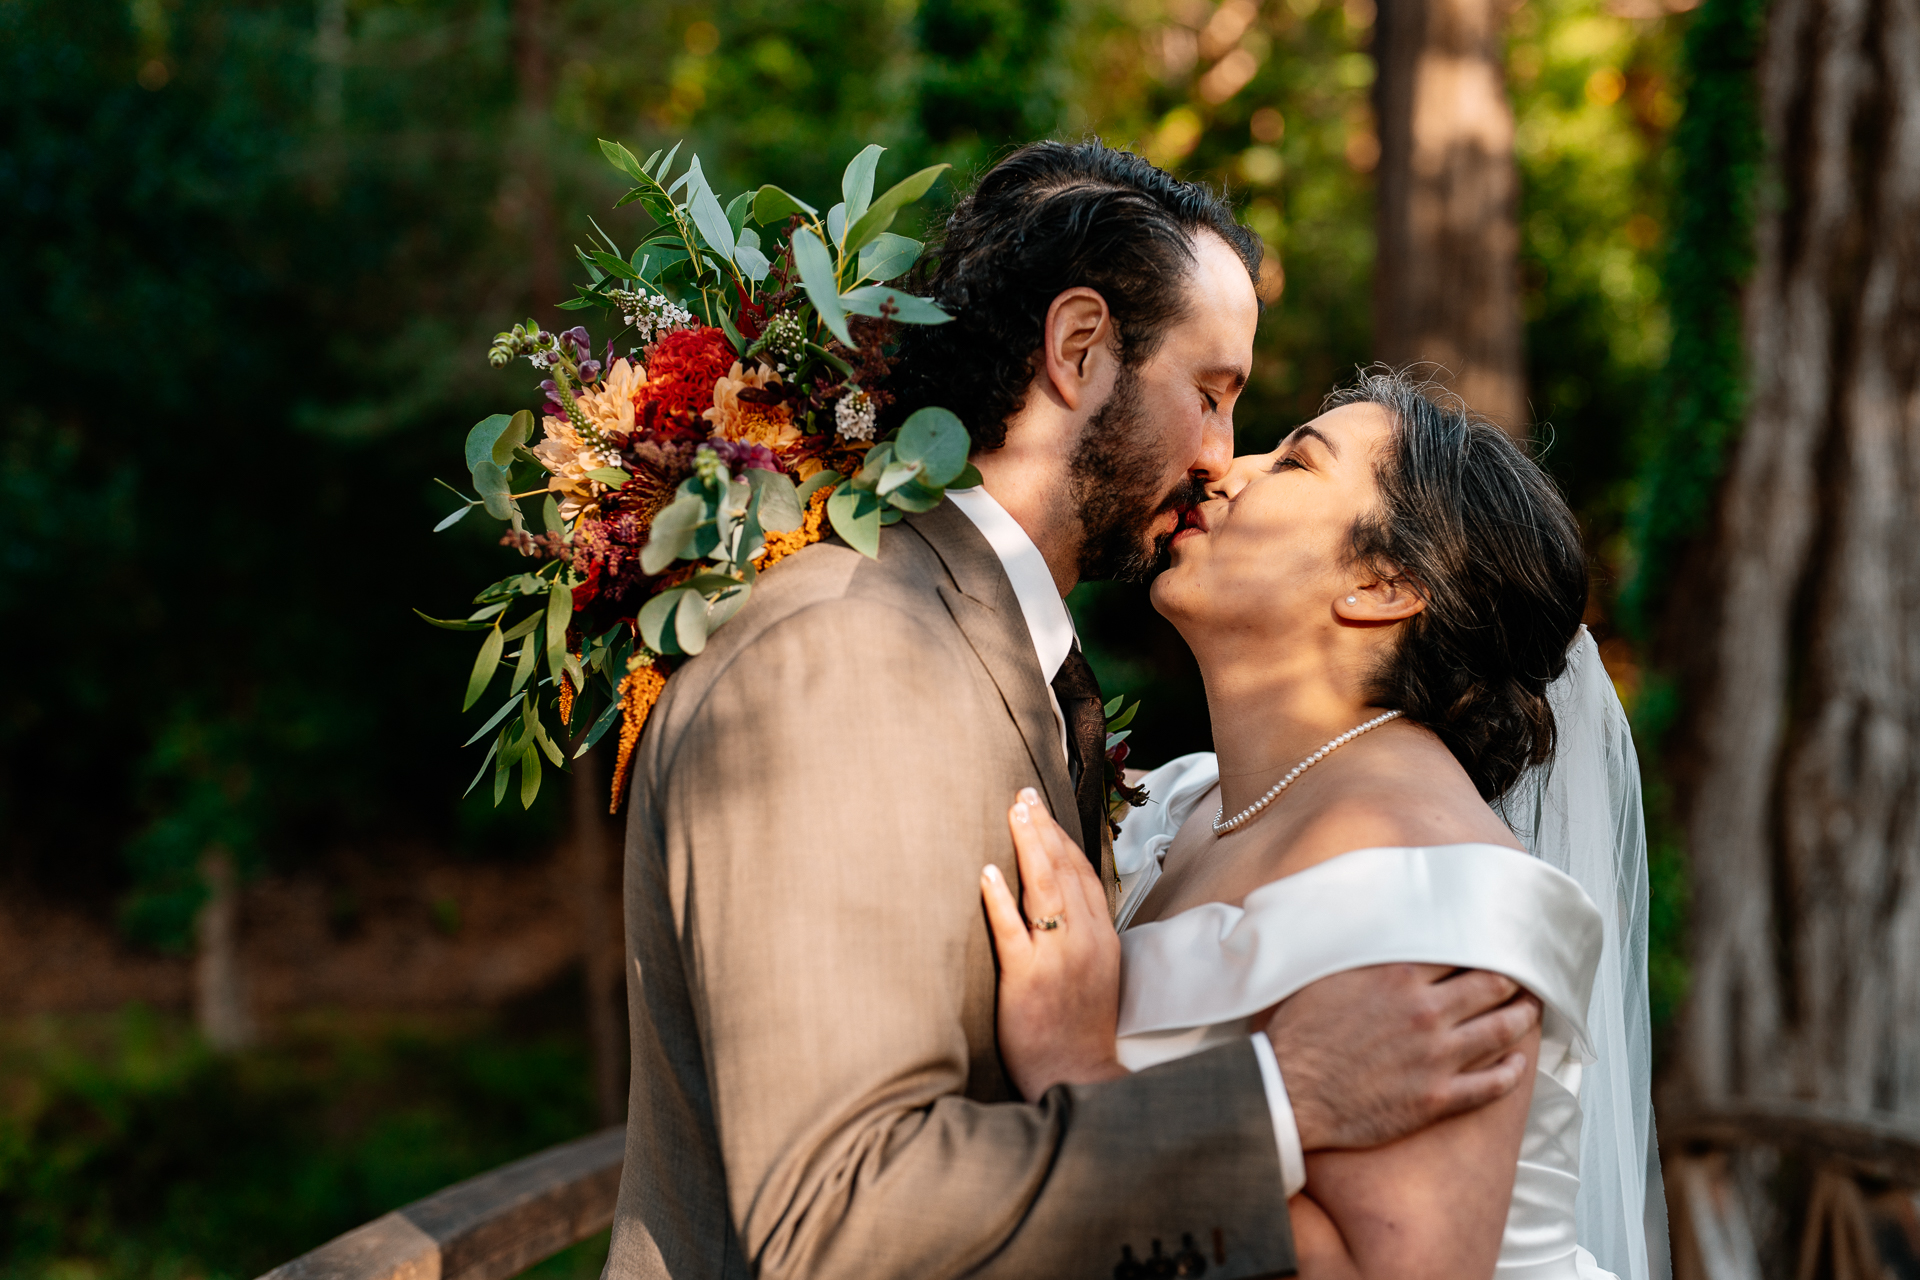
(1113, 704)
(550, 516)
(831, 358)
(969, 478)
(454, 519)
(720, 609)
(529, 779)
(878, 459)
(487, 611)
(602, 723)
(836, 223)
(623, 160)
(1115, 739)
(612, 477)
(915, 495)
(855, 514)
(816, 274)
(895, 475)
(493, 720)
(937, 439)
(888, 256)
(613, 265)
(559, 618)
(771, 204)
(732, 331)
(776, 501)
(492, 751)
(450, 624)
(1124, 719)
(654, 617)
(672, 529)
(737, 210)
(907, 309)
(813, 484)
(483, 667)
(881, 214)
(523, 626)
(753, 264)
(484, 435)
(690, 622)
(528, 662)
(856, 184)
(708, 217)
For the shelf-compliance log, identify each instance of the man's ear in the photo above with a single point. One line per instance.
(1076, 350)
(1382, 599)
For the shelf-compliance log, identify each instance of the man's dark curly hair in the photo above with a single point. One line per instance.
(1051, 217)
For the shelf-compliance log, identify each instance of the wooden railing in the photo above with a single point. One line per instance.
(1712, 1238)
(486, 1228)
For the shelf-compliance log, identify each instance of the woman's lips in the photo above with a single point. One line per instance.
(1191, 522)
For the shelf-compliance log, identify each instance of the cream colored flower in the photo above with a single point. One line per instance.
(609, 404)
(736, 419)
(608, 407)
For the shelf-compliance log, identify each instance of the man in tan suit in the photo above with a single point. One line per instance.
(816, 1086)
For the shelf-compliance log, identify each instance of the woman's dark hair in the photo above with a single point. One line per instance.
(1050, 217)
(1469, 521)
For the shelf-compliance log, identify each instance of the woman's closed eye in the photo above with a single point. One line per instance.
(1288, 460)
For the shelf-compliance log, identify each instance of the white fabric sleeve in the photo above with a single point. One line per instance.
(1286, 1134)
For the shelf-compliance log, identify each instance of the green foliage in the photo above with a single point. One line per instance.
(130, 1151)
(1702, 397)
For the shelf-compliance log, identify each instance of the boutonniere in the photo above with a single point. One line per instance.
(1120, 796)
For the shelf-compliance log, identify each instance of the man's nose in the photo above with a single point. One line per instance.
(1216, 452)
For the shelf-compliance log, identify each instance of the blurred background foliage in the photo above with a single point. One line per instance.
(256, 249)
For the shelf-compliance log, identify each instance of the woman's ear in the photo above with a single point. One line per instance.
(1077, 348)
(1379, 600)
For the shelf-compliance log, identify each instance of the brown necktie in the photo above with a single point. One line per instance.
(1079, 693)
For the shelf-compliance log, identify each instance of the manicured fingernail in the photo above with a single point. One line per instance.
(1020, 813)
(1030, 795)
(991, 872)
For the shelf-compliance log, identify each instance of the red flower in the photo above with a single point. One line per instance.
(681, 370)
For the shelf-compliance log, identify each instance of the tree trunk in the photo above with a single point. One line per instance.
(532, 174)
(1446, 285)
(219, 995)
(604, 1032)
(1803, 813)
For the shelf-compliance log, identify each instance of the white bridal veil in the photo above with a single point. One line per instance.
(1580, 813)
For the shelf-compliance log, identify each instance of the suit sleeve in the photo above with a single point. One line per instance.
(830, 835)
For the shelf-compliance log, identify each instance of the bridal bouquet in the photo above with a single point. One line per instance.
(729, 421)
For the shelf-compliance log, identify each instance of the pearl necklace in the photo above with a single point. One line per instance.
(1222, 827)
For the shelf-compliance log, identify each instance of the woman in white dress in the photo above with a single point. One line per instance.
(1386, 610)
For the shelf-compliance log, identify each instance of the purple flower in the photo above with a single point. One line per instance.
(740, 456)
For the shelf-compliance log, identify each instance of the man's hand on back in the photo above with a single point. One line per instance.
(1372, 1055)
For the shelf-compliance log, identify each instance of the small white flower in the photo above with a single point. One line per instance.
(853, 417)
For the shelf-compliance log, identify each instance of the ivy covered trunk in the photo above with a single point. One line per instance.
(1446, 285)
(1798, 617)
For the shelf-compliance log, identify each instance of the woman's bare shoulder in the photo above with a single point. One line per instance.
(1406, 792)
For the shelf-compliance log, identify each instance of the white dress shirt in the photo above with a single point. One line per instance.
(1050, 627)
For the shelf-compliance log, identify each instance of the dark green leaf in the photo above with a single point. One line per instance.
(559, 618)
(529, 778)
(493, 720)
(603, 723)
(450, 625)
(623, 160)
(831, 358)
(737, 210)
(492, 751)
(771, 204)
(915, 496)
(969, 478)
(614, 266)
(483, 667)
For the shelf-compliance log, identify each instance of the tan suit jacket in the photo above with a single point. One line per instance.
(816, 1086)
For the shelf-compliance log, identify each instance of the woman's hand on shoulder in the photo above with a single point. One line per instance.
(1059, 961)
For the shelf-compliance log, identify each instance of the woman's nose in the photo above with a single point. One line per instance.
(1234, 480)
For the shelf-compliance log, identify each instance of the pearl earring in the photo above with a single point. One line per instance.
(1353, 599)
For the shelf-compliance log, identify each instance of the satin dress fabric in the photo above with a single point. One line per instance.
(1195, 979)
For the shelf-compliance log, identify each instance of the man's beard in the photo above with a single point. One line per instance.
(1114, 481)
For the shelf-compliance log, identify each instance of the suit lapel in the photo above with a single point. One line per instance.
(987, 612)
